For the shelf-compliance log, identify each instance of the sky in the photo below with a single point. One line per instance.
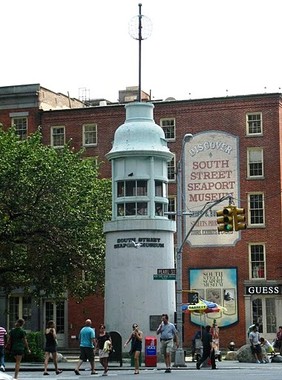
(197, 48)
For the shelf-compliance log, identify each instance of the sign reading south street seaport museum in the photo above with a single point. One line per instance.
(211, 172)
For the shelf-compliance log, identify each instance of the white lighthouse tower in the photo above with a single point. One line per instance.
(139, 238)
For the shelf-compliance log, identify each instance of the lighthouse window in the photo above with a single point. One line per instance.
(129, 188)
(159, 210)
(132, 188)
(120, 189)
(130, 208)
(142, 208)
(141, 188)
(159, 189)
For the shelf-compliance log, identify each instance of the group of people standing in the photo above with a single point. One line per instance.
(257, 342)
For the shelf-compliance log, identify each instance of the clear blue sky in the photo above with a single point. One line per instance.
(199, 48)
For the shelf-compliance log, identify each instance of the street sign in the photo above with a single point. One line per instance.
(166, 271)
(164, 277)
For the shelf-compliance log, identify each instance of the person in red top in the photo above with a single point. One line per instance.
(278, 341)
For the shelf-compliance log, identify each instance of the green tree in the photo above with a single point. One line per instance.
(52, 209)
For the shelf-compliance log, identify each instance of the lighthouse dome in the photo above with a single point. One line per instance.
(139, 134)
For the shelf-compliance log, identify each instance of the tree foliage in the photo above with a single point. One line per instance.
(52, 209)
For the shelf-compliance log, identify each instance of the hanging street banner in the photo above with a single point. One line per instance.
(211, 171)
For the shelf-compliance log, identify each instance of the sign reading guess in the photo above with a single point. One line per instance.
(211, 172)
(264, 290)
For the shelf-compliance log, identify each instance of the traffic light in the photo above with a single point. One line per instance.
(239, 219)
(225, 219)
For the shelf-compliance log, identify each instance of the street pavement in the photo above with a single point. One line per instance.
(225, 370)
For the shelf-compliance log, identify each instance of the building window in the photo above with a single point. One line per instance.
(257, 261)
(19, 307)
(171, 170)
(256, 210)
(171, 207)
(89, 134)
(257, 312)
(168, 126)
(58, 136)
(255, 162)
(254, 124)
(270, 315)
(20, 124)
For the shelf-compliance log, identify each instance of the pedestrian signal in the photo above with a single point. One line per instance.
(193, 297)
(239, 219)
(225, 219)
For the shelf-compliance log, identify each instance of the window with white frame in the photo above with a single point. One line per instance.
(89, 134)
(171, 208)
(255, 162)
(20, 124)
(254, 123)
(257, 261)
(19, 307)
(256, 209)
(58, 136)
(171, 170)
(168, 126)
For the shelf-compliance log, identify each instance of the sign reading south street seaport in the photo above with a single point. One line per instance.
(211, 171)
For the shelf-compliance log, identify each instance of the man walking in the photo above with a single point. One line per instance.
(3, 340)
(168, 334)
(208, 350)
(86, 338)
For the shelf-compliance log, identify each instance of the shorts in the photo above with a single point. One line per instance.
(17, 353)
(103, 354)
(86, 353)
(51, 349)
(167, 346)
(256, 349)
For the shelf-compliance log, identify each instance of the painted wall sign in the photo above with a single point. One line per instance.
(217, 285)
(211, 171)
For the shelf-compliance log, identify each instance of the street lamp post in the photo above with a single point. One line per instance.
(179, 354)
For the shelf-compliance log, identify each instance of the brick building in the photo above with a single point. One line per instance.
(236, 150)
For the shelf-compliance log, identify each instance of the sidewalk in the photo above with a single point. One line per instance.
(70, 365)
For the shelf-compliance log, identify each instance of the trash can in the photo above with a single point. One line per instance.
(150, 351)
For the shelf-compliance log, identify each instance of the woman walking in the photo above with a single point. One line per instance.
(136, 345)
(51, 348)
(18, 342)
(103, 344)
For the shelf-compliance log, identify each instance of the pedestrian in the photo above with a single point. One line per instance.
(18, 343)
(103, 343)
(268, 348)
(278, 341)
(250, 328)
(195, 349)
(51, 348)
(87, 340)
(255, 344)
(135, 338)
(208, 349)
(3, 341)
(168, 335)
